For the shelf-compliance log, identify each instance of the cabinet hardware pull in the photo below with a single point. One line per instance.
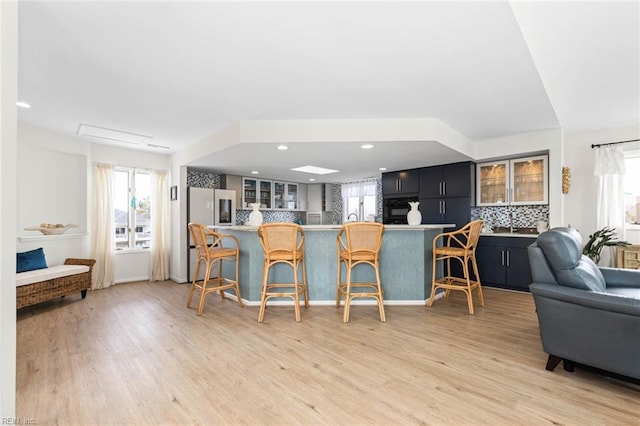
(508, 258)
(444, 188)
(444, 207)
(502, 255)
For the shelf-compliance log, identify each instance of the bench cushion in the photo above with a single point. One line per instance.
(38, 275)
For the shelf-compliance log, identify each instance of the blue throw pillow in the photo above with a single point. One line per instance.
(30, 260)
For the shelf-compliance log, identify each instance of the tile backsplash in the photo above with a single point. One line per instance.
(523, 216)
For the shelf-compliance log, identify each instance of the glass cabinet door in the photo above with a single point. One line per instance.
(492, 181)
(265, 194)
(279, 195)
(285, 196)
(249, 192)
(292, 196)
(256, 191)
(529, 180)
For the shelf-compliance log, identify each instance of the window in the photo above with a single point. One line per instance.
(359, 199)
(132, 202)
(632, 190)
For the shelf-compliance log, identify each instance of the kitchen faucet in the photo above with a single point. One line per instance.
(352, 214)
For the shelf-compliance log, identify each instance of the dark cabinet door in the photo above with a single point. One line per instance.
(431, 182)
(389, 184)
(403, 182)
(490, 262)
(431, 210)
(518, 269)
(456, 210)
(458, 179)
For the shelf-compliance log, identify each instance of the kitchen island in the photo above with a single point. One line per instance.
(405, 263)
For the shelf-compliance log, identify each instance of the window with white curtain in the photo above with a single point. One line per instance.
(359, 201)
(632, 190)
(132, 208)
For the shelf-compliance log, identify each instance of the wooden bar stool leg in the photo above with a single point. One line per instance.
(465, 271)
(296, 291)
(263, 296)
(306, 287)
(432, 296)
(475, 271)
(193, 284)
(204, 288)
(383, 318)
(347, 296)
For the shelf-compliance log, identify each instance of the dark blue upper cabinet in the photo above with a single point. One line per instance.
(450, 180)
(406, 182)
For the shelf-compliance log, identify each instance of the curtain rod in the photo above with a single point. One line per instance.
(597, 145)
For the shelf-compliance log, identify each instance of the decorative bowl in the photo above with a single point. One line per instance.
(51, 229)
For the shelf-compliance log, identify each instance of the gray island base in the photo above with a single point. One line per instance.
(405, 263)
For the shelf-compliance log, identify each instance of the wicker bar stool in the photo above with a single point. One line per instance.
(283, 243)
(359, 243)
(211, 254)
(459, 245)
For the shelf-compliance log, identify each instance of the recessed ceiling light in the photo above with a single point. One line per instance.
(23, 104)
(312, 180)
(254, 172)
(367, 146)
(283, 147)
(382, 169)
(314, 170)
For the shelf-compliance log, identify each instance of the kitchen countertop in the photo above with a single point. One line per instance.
(336, 227)
(507, 234)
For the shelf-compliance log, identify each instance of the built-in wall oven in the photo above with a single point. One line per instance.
(396, 209)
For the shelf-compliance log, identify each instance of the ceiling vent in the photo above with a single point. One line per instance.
(111, 134)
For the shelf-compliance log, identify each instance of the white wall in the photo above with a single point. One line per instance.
(55, 186)
(8, 119)
(580, 206)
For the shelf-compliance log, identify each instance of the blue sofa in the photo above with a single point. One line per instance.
(588, 315)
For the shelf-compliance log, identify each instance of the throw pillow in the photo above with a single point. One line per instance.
(30, 260)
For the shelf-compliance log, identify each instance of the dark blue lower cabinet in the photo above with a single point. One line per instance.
(503, 262)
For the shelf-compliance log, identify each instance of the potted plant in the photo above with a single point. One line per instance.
(599, 239)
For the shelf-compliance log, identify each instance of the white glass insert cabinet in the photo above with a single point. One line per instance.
(285, 196)
(521, 181)
(257, 191)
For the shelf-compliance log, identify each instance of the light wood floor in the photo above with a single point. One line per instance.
(133, 354)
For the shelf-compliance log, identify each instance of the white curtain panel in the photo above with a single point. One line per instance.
(160, 226)
(102, 226)
(359, 189)
(610, 170)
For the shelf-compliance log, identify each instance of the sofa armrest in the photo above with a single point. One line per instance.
(75, 261)
(603, 301)
(618, 277)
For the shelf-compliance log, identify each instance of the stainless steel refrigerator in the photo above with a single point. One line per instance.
(211, 207)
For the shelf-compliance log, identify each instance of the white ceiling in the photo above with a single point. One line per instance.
(182, 71)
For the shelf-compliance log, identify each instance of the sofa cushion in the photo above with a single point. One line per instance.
(39, 275)
(30, 260)
(562, 248)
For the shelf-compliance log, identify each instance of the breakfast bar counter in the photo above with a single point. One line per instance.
(405, 262)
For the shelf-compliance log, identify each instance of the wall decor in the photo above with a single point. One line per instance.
(566, 179)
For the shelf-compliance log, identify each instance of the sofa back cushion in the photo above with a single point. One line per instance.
(30, 260)
(563, 249)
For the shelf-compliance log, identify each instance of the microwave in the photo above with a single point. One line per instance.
(395, 210)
